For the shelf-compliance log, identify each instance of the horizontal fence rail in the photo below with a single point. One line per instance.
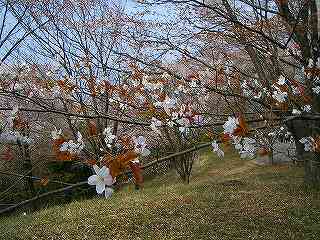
(150, 164)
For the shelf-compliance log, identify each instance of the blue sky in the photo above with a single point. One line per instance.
(163, 13)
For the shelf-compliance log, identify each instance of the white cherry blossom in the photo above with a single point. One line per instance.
(295, 90)
(316, 89)
(279, 95)
(281, 80)
(258, 96)
(309, 143)
(109, 137)
(140, 146)
(198, 119)
(155, 123)
(73, 147)
(180, 89)
(170, 123)
(184, 124)
(216, 149)
(306, 108)
(248, 148)
(230, 125)
(167, 104)
(56, 92)
(237, 142)
(101, 179)
(56, 134)
(296, 112)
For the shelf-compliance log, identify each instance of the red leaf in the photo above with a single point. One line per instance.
(62, 156)
(225, 138)
(137, 173)
(44, 181)
(92, 129)
(118, 164)
(7, 154)
(91, 162)
(242, 129)
(317, 144)
(263, 152)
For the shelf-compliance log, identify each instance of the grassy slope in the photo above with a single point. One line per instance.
(258, 203)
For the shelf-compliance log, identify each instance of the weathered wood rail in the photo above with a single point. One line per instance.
(71, 186)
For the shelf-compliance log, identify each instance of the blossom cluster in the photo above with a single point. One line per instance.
(9, 134)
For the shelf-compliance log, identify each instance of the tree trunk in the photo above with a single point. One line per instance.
(312, 169)
(300, 129)
(28, 167)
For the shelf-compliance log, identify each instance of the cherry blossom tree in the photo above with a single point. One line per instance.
(118, 82)
(267, 54)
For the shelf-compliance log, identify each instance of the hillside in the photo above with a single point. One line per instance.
(226, 199)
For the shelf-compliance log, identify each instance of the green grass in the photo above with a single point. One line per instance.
(226, 199)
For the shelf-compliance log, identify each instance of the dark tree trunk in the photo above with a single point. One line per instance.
(183, 165)
(300, 129)
(312, 169)
(27, 168)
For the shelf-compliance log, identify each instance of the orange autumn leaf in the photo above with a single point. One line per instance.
(312, 71)
(93, 91)
(263, 152)
(128, 156)
(91, 162)
(126, 142)
(225, 137)
(107, 86)
(61, 156)
(7, 154)
(116, 168)
(70, 88)
(137, 173)
(210, 134)
(65, 156)
(317, 144)
(92, 129)
(44, 181)
(162, 96)
(242, 129)
(61, 83)
(57, 143)
(120, 163)
(19, 123)
(193, 76)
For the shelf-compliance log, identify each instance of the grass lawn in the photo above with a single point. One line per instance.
(226, 199)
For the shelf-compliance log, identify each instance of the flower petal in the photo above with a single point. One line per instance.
(108, 180)
(96, 169)
(108, 192)
(100, 187)
(92, 180)
(64, 147)
(145, 152)
(141, 140)
(104, 171)
(220, 153)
